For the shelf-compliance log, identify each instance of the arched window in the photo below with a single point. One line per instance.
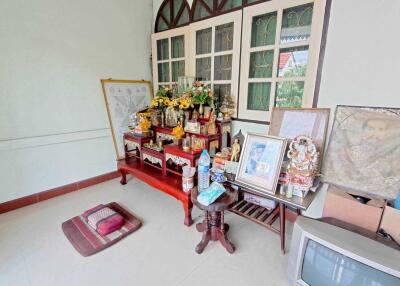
(172, 14)
(202, 9)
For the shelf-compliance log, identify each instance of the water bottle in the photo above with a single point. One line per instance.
(203, 171)
(397, 201)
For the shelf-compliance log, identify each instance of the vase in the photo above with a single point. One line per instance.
(207, 112)
(201, 110)
(182, 117)
(162, 118)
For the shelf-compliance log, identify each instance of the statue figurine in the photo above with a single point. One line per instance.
(195, 115)
(211, 128)
(235, 151)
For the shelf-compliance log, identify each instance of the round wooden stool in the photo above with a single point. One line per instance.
(213, 226)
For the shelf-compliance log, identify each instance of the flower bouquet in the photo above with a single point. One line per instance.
(201, 95)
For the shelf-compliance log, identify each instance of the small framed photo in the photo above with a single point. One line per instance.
(260, 162)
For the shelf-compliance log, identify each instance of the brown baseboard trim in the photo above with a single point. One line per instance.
(45, 195)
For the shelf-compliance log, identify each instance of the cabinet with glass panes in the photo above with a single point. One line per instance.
(215, 53)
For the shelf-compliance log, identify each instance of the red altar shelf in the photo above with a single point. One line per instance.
(223, 127)
(176, 158)
(153, 158)
(163, 133)
(210, 141)
(171, 185)
(133, 144)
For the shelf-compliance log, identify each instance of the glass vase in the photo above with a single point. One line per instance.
(162, 118)
(201, 110)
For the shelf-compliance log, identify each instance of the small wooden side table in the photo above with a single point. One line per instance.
(213, 226)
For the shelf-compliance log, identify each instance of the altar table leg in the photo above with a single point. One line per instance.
(187, 207)
(123, 177)
(282, 209)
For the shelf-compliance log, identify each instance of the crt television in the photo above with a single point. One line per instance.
(322, 254)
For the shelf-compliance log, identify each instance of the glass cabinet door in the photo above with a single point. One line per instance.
(216, 53)
(170, 51)
(276, 61)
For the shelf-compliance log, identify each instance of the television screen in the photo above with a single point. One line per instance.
(324, 266)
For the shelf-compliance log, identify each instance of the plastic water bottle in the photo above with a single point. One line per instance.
(203, 171)
(397, 201)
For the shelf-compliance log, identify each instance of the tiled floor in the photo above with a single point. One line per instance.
(34, 251)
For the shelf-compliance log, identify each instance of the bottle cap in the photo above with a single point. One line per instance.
(204, 152)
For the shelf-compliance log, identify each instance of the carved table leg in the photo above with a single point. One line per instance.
(222, 237)
(123, 177)
(202, 225)
(187, 207)
(206, 236)
(215, 224)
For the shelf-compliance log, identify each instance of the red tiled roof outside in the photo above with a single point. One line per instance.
(283, 59)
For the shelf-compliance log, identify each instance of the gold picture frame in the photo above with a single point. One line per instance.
(123, 98)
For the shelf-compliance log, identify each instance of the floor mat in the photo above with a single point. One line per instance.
(87, 241)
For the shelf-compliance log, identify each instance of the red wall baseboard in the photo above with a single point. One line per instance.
(42, 196)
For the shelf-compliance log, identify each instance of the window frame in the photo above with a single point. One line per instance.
(172, 22)
(313, 43)
(232, 17)
(169, 34)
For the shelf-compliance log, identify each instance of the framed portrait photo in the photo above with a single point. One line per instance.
(260, 162)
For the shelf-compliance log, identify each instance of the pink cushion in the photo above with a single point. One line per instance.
(103, 219)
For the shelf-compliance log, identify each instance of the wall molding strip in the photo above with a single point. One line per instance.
(45, 140)
(45, 195)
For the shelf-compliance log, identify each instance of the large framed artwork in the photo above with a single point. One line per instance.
(123, 98)
(364, 150)
(260, 162)
(289, 123)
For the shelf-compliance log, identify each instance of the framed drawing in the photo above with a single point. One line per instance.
(260, 162)
(123, 98)
(292, 122)
(364, 150)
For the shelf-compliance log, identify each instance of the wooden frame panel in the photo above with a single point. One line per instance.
(313, 44)
(236, 19)
(169, 34)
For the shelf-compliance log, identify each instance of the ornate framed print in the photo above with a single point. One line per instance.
(364, 149)
(123, 98)
(260, 162)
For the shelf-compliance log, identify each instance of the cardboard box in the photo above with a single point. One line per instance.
(391, 222)
(341, 205)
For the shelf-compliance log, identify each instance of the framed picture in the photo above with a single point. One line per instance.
(364, 150)
(123, 98)
(260, 162)
(292, 122)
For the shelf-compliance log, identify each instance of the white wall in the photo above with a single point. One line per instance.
(361, 65)
(53, 123)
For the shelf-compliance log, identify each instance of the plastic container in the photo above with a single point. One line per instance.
(203, 171)
(397, 201)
